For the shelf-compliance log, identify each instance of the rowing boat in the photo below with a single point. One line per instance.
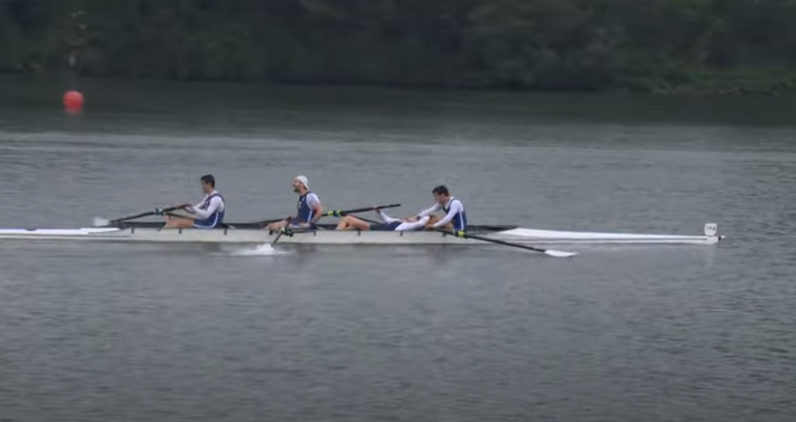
(326, 235)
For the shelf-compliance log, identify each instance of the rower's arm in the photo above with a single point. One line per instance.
(427, 212)
(455, 208)
(412, 225)
(386, 218)
(317, 209)
(215, 205)
(193, 208)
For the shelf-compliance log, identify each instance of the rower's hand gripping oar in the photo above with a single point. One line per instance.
(336, 213)
(550, 252)
(284, 230)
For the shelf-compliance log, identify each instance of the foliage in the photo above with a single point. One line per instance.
(648, 45)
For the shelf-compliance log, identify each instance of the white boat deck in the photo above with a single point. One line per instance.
(332, 237)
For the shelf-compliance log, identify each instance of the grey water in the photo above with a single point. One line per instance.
(130, 332)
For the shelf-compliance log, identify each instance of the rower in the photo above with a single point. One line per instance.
(453, 208)
(207, 214)
(349, 222)
(308, 209)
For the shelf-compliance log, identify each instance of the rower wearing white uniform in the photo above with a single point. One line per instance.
(349, 222)
(207, 214)
(308, 209)
(453, 208)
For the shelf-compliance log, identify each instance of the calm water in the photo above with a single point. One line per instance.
(115, 332)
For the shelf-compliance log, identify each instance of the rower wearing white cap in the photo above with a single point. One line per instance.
(308, 210)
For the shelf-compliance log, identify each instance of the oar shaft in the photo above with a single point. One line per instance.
(337, 213)
(550, 252)
(146, 214)
(472, 236)
(497, 241)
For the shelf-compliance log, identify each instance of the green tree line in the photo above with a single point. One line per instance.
(566, 45)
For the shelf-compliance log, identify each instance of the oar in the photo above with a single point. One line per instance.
(551, 252)
(336, 213)
(283, 230)
(146, 214)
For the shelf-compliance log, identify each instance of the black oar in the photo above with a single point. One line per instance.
(147, 214)
(283, 230)
(464, 235)
(551, 252)
(336, 213)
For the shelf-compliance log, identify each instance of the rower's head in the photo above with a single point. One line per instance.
(208, 183)
(441, 195)
(301, 185)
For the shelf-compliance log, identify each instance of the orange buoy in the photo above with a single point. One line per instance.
(73, 101)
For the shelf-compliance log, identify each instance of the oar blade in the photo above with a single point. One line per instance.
(559, 254)
(100, 222)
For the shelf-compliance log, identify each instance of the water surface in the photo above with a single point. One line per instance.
(98, 332)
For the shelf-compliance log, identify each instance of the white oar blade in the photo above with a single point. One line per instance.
(560, 254)
(100, 222)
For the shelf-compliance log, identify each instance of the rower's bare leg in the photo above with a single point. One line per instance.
(342, 224)
(350, 222)
(178, 223)
(277, 225)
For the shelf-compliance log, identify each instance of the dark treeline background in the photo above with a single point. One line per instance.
(643, 45)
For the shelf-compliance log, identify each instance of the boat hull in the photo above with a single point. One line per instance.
(332, 237)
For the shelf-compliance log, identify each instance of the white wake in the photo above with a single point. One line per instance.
(260, 250)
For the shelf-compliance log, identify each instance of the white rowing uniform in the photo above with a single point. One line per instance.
(396, 224)
(454, 213)
(209, 212)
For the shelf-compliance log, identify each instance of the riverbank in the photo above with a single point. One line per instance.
(234, 103)
(692, 82)
(733, 82)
